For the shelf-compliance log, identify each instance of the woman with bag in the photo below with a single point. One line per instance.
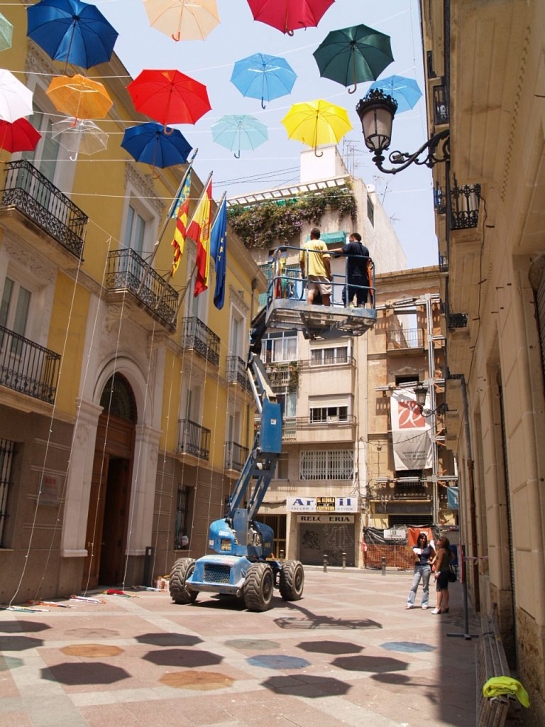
(422, 552)
(441, 564)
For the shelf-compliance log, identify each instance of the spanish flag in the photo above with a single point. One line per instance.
(199, 230)
(180, 232)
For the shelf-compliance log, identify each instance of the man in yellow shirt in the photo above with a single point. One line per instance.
(314, 263)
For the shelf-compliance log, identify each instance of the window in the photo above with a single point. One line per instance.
(370, 210)
(181, 524)
(6, 459)
(329, 356)
(135, 230)
(327, 465)
(45, 155)
(282, 467)
(324, 409)
(279, 347)
(14, 309)
(288, 402)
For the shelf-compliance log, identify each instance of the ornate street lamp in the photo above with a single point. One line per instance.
(376, 111)
(420, 392)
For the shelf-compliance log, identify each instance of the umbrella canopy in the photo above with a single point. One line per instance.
(80, 135)
(316, 123)
(263, 76)
(169, 97)
(151, 144)
(71, 31)
(353, 55)
(289, 15)
(6, 33)
(183, 19)
(405, 91)
(239, 132)
(79, 97)
(15, 97)
(18, 135)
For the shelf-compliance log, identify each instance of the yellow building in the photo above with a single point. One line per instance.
(124, 410)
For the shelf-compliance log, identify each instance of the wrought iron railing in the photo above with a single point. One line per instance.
(237, 372)
(27, 367)
(127, 271)
(401, 339)
(457, 320)
(465, 202)
(194, 439)
(199, 338)
(443, 264)
(29, 191)
(235, 456)
(440, 105)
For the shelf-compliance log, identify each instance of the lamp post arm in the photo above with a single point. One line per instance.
(438, 148)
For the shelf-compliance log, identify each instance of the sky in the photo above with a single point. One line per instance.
(407, 196)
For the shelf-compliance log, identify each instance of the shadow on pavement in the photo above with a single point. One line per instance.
(311, 621)
(309, 686)
(19, 643)
(166, 639)
(21, 627)
(330, 647)
(369, 663)
(183, 658)
(74, 674)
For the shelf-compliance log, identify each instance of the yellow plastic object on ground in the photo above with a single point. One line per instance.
(499, 686)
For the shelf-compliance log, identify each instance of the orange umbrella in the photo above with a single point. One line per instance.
(79, 97)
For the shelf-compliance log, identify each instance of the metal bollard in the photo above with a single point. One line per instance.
(344, 560)
(383, 559)
(325, 562)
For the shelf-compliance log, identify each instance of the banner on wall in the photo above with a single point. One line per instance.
(411, 433)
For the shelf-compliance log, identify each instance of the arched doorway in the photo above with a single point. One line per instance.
(109, 503)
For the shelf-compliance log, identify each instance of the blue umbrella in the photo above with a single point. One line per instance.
(405, 91)
(263, 76)
(71, 31)
(151, 144)
(239, 132)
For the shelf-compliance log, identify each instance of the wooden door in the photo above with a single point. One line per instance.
(95, 519)
(114, 532)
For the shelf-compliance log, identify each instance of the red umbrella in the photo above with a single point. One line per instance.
(18, 135)
(169, 97)
(289, 15)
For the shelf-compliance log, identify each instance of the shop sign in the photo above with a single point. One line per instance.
(322, 504)
(326, 519)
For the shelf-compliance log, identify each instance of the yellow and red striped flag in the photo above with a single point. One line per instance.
(181, 223)
(199, 230)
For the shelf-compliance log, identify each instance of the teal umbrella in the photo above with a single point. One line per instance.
(353, 55)
(239, 132)
(6, 33)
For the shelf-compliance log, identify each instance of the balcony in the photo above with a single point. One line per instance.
(465, 202)
(303, 430)
(155, 300)
(441, 115)
(27, 367)
(194, 440)
(399, 339)
(235, 456)
(236, 372)
(199, 338)
(31, 200)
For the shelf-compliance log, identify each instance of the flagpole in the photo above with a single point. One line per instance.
(218, 210)
(149, 262)
(182, 297)
(205, 187)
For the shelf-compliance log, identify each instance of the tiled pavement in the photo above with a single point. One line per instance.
(346, 654)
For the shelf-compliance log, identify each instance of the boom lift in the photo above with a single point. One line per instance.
(241, 565)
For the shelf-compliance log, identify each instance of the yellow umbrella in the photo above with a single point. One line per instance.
(79, 97)
(183, 19)
(316, 123)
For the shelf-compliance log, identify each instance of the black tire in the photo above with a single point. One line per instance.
(258, 587)
(181, 571)
(292, 580)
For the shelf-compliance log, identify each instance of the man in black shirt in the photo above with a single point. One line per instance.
(357, 277)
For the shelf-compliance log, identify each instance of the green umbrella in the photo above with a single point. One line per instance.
(353, 55)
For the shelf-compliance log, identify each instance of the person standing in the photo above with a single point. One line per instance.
(314, 261)
(441, 564)
(423, 552)
(357, 276)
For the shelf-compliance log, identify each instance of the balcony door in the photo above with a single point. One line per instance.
(14, 309)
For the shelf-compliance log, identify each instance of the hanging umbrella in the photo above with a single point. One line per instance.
(81, 136)
(316, 123)
(239, 132)
(79, 97)
(18, 135)
(263, 76)
(353, 55)
(183, 19)
(6, 33)
(405, 91)
(169, 97)
(151, 144)
(15, 97)
(289, 15)
(71, 31)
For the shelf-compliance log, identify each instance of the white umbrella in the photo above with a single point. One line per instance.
(15, 97)
(81, 135)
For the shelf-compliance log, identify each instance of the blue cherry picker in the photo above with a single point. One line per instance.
(241, 565)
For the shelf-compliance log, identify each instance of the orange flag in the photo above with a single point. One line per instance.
(199, 230)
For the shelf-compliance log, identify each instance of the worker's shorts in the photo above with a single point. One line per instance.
(319, 283)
